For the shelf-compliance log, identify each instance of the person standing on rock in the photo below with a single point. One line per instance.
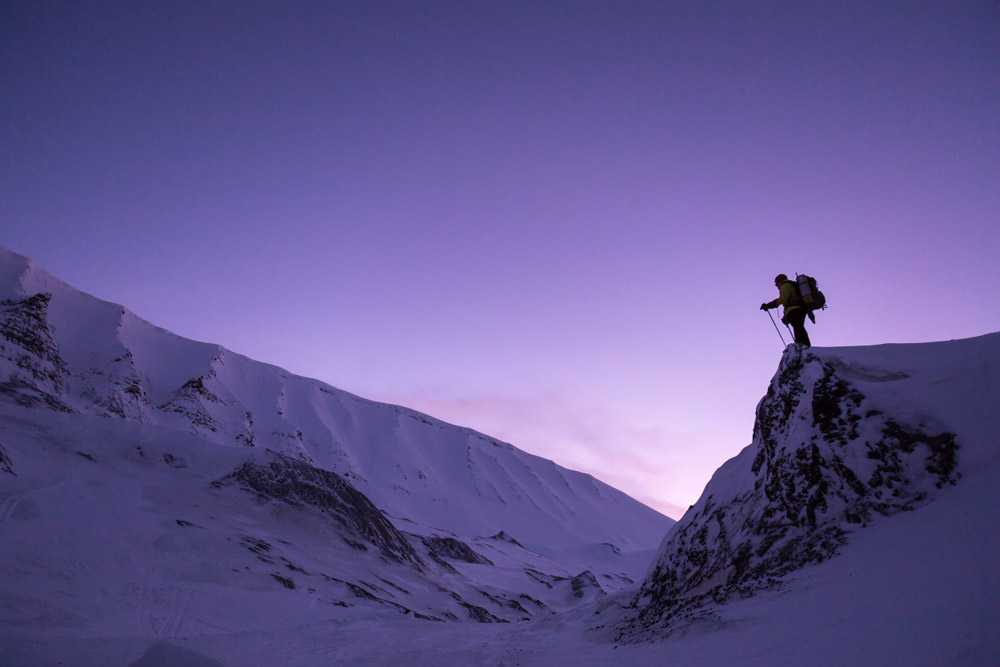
(795, 313)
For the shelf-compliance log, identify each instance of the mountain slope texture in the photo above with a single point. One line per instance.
(142, 471)
(844, 440)
(164, 501)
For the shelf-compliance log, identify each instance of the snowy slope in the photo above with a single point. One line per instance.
(156, 487)
(917, 586)
(846, 441)
(146, 519)
(69, 351)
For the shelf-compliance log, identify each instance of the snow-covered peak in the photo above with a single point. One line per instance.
(73, 352)
(844, 438)
(149, 470)
(174, 502)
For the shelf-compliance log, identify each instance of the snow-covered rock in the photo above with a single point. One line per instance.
(843, 439)
(166, 501)
(299, 484)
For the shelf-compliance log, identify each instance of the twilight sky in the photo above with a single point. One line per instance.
(553, 222)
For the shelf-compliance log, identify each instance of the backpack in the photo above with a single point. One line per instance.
(808, 293)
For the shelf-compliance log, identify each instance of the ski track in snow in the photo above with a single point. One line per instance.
(179, 606)
(9, 505)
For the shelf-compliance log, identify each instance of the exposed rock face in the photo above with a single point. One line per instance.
(481, 615)
(583, 584)
(6, 464)
(450, 548)
(504, 537)
(117, 390)
(192, 401)
(302, 485)
(33, 373)
(823, 463)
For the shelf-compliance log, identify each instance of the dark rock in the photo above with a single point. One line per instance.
(32, 372)
(537, 603)
(479, 614)
(192, 400)
(505, 602)
(117, 391)
(6, 463)
(301, 485)
(24, 324)
(581, 583)
(449, 547)
(504, 537)
(248, 437)
(542, 578)
(361, 593)
(358, 546)
(294, 567)
(174, 461)
(395, 586)
(259, 547)
(812, 481)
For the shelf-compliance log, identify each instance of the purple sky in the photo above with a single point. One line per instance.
(553, 222)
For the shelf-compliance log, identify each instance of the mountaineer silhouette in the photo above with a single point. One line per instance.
(795, 309)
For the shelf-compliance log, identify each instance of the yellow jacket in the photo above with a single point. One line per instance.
(786, 297)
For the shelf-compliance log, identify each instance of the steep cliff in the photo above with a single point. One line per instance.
(842, 440)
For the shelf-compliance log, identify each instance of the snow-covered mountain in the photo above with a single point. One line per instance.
(70, 352)
(170, 502)
(153, 485)
(845, 440)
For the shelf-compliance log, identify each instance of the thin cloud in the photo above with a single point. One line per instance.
(664, 469)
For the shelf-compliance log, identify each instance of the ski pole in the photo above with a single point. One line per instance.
(776, 328)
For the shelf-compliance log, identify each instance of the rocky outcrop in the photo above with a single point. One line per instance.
(583, 585)
(116, 390)
(6, 463)
(452, 549)
(505, 537)
(299, 484)
(824, 462)
(192, 401)
(32, 372)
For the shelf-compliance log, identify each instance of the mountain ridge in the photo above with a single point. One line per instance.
(103, 359)
(222, 488)
(223, 504)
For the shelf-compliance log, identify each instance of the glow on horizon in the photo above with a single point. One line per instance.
(550, 222)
